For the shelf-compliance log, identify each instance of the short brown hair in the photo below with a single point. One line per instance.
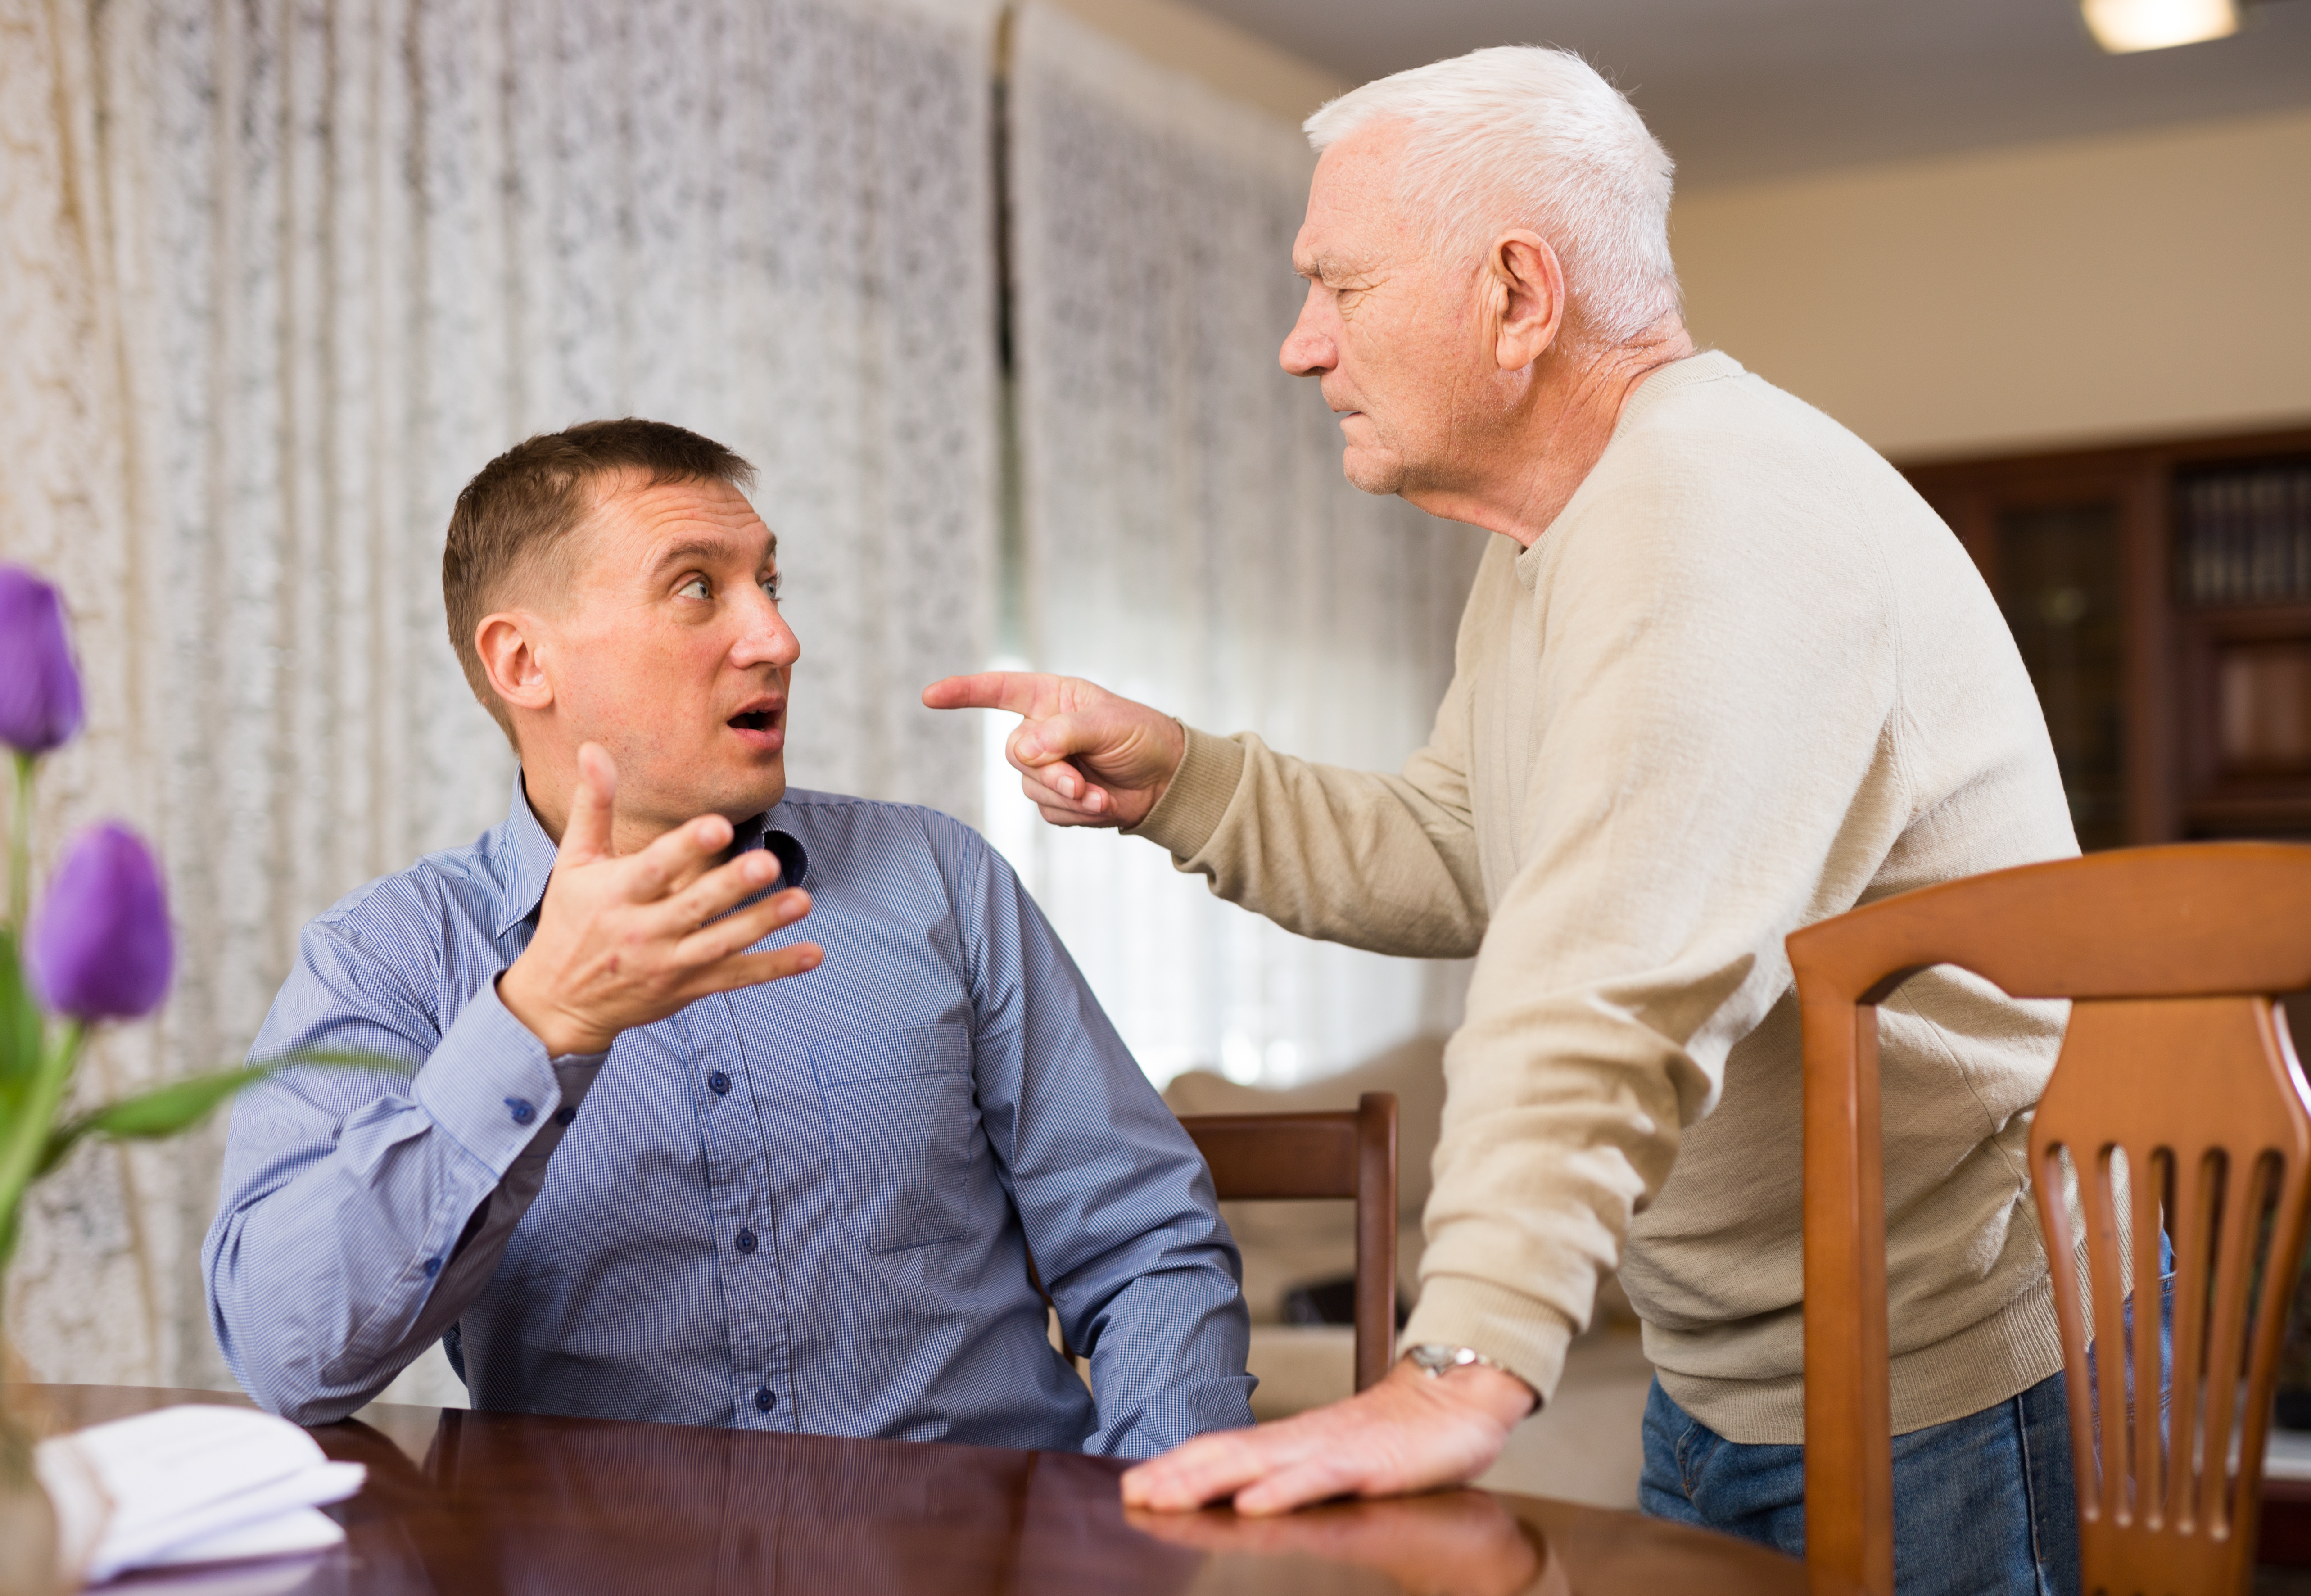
(515, 517)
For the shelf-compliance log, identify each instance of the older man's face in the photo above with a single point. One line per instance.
(1393, 338)
(671, 653)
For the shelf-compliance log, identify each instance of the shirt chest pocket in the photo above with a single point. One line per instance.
(903, 1131)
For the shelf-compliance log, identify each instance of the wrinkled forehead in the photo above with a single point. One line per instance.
(634, 526)
(1354, 213)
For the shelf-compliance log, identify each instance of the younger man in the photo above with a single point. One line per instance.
(654, 1162)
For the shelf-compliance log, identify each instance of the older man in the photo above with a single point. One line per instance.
(1721, 675)
(654, 1161)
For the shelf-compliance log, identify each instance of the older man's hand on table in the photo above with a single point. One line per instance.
(1409, 1433)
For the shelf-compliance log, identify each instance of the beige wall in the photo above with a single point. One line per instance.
(2102, 289)
(1230, 60)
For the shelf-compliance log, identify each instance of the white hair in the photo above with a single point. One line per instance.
(1520, 135)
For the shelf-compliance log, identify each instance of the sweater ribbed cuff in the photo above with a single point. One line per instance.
(1526, 1337)
(1192, 807)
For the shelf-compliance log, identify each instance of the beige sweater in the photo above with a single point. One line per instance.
(1746, 681)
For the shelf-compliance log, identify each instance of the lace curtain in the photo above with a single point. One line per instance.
(1189, 541)
(277, 278)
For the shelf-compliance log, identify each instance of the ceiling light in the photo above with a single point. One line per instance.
(2124, 26)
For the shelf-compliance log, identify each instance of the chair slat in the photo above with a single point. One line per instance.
(2062, 1241)
(2110, 1367)
(2190, 1225)
(2226, 1338)
(2146, 1168)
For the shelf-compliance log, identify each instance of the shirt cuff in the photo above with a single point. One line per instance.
(490, 1084)
(1192, 807)
(1526, 1337)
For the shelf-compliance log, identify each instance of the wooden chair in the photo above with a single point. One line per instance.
(2175, 1055)
(1346, 1153)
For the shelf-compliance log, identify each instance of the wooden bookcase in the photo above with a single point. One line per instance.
(2161, 595)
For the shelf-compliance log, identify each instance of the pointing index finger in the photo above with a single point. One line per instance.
(1020, 691)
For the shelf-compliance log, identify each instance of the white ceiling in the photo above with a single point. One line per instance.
(1742, 89)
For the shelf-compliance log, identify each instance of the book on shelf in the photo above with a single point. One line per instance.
(2243, 534)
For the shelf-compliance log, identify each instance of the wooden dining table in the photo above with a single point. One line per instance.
(464, 1504)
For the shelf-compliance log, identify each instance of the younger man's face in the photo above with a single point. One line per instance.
(669, 651)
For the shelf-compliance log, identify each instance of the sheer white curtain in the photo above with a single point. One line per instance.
(278, 277)
(1189, 540)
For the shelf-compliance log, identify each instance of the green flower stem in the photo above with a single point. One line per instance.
(20, 847)
(22, 1143)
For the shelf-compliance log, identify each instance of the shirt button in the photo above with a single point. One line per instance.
(719, 1082)
(747, 1242)
(432, 1267)
(522, 1109)
(766, 1398)
(564, 1116)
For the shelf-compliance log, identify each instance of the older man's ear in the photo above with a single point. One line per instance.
(508, 645)
(1525, 298)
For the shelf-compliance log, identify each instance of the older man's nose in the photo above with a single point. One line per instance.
(1307, 350)
(1308, 353)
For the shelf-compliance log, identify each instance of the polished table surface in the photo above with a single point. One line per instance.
(479, 1503)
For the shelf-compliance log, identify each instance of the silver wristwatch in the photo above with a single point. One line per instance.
(1434, 1359)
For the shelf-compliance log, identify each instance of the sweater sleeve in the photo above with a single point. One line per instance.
(1387, 863)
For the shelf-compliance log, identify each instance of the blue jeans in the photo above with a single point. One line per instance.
(1983, 1503)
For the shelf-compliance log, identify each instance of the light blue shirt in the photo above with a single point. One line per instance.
(808, 1205)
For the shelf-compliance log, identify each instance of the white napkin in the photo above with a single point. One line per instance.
(191, 1485)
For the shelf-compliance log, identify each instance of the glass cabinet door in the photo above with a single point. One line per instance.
(2061, 580)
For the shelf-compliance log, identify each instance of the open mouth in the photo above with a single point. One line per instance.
(761, 726)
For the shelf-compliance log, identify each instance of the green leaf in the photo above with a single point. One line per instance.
(178, 1106)
(146, 1116)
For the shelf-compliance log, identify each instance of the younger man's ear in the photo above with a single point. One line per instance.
(508, 643)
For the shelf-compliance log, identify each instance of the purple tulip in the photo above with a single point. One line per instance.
(40, 689)
(100, 948)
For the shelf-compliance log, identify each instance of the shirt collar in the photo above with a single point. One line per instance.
(529, 864)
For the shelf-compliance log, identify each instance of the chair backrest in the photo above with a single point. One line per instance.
(2174, 1058)
(1348, 1154)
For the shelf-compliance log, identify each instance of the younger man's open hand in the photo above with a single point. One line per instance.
(626, 941)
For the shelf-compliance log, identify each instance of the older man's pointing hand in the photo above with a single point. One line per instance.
(1088, 756)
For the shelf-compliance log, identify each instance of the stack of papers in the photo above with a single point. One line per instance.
(191, 1485)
